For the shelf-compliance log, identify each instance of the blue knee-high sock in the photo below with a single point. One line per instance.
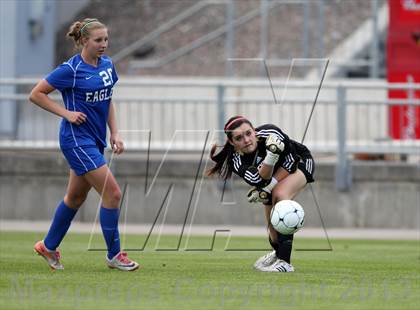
(59, 226)
(109, 224)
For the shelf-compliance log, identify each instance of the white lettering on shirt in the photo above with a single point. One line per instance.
(99, 95)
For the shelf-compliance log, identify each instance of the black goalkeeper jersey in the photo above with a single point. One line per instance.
(246, 165)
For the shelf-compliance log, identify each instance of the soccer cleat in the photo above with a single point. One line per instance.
(52, 257)
(278, 266)
(266, 260)
(122, 262)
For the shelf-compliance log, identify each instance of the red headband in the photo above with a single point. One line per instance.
(233, 121)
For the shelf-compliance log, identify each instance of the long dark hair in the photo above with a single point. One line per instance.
(221, 159)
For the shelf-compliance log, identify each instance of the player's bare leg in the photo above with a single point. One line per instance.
(105, 184)
(287, 188)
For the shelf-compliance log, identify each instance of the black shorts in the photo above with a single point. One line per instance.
(307, 166)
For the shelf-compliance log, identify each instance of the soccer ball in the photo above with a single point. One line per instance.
(287, 217)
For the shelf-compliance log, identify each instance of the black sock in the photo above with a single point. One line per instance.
(283, 246)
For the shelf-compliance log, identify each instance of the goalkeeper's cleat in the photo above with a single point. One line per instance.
(278, 266)
(51, 257)
(122, 262)
(266, 260)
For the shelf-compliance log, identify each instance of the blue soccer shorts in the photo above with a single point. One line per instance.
(83, 159)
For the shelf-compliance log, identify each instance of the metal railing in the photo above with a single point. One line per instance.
(152, 36)
(372, 28)
(205, 39)
(180, 114)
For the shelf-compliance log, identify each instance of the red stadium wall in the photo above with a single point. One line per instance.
(403, 65)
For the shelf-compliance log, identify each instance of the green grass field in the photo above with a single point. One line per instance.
(354, 275)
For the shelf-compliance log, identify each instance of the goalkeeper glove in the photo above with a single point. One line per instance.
(274, 144)
(256, 195)
(261, 194)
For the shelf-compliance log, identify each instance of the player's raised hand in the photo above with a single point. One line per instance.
(75, 117)
(117, 143)
(274, 144)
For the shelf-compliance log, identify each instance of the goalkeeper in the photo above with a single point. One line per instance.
(276, 167)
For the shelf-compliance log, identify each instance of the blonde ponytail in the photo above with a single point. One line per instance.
(82, 29)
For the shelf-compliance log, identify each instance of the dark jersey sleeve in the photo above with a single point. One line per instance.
(288, 158)
(265, 130)
(247, 172)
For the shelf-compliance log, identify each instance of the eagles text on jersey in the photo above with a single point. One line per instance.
(88, 89)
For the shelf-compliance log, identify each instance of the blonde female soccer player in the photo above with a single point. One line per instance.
(277, 167)
(86, 82)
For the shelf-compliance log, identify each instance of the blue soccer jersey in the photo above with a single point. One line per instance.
(86, 89)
